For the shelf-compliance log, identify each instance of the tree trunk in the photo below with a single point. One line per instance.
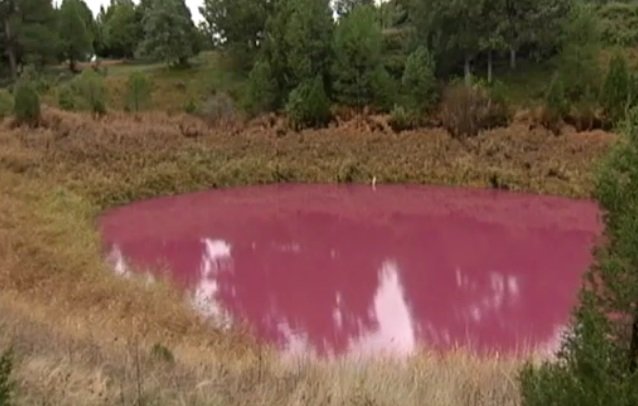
(489, 66)
(512, 58)
(633, 346)
(72, 67)
(10, 51)
(468, 71)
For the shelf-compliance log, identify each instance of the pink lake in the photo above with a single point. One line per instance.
(335, 270)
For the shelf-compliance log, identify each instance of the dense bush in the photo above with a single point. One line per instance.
(464, 109)
(67, 98)
(556, 105)
(6, 103)
(598, 362)
(619, 23)
(263, 92)
(138, 92)
(617, 91)
(26, 105)
(402, 119)
(6, 385)
(419, 82)
(308, 105)
(89, 87)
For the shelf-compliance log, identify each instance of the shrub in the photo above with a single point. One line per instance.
(617, 90)
(499, 113)
(26, 105)
(464, 109)
(556, 105)
(218, 108)
(308, 105)
(6, 103)
(402, 119)
(66, 98)
(138, 92)
(89, 86)
(263, 92)
(418, 79)
(191, 106)
(6, 385)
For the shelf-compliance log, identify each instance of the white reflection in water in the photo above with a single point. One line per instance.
(395, 330)
(216, 259)
(502, 289)
(117, 262)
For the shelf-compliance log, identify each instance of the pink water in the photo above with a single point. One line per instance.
(336, 269)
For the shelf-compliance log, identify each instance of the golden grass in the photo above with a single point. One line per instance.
(83, 336)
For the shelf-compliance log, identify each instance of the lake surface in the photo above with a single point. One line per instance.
(354, 270)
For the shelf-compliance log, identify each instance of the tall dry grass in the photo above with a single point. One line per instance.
(83, 336)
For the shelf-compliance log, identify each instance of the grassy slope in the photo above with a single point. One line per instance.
(84, 336)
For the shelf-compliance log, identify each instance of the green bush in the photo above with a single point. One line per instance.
(6, 385)
(402, 119)
(66, 98)
(6, 103)
(263, 92)
(138, 92)
(556, 105)
(26, 105)
(308, 105)
(418, 80)
(616, 94)
(89, 86)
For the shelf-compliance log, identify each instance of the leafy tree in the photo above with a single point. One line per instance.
(597, 362)
(308, 105)
(418, 81)
(579, 65)
(239, 26)
(138, 95)
(617, 91)
(120, 29)
(26, 104)
(27, 32)
(169, 32)
(76, 39)
(358, 43)
(345, 7)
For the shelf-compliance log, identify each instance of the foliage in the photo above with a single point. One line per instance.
(138, 92)
(345, 7)
(75, 35)
(26, 104)
(67, 98)
(597, 362)
(556, 105)
(308, 105)
(237, 26)
(262, 93)
(6, 385)
(219, 108)
(358, 72)
(169, 32)
(6, 103)
(579, 67)
(402, 119)
(419, 82)
(464, 109)
(89, 87)
(619, 23)
(120, 29)
(617, 90)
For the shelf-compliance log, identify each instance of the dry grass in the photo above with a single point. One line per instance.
(82, 336)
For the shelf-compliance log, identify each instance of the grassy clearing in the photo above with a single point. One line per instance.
(83, 336)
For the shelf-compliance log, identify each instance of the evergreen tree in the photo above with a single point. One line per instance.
(597, 364)
(169, 32)
(418, 81)
(345, 7)
(358, 66)
(76, 40)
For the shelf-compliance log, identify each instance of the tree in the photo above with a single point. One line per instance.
(358, 65)
(345, 7)
(138, 95)
(120, 29)
(169, 32)
(598, 359)
(76, 39)
(308, 105)
(238, 26)
(418, 79)
(26, 104)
